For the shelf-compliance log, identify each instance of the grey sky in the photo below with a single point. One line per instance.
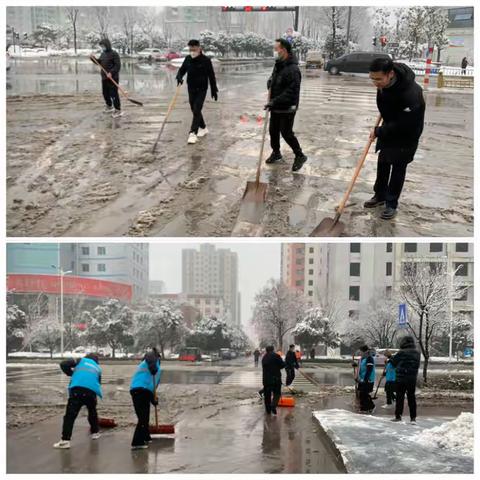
(257, 263)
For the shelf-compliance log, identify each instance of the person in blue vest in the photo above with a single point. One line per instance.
(390, 377)
(143, 391)
(83, 390)
(366, 380)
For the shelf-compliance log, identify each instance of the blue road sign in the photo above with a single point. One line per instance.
(402, 315)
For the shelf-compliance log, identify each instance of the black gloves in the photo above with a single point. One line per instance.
(155, 402)
(179, 81)
(215, 95)
(268, 106)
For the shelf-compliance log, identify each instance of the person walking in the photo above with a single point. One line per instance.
(110, 60)
(464, 65)
(199, 70)
(402, 107)
(143, 388)
(256, 356)
(291, 363)
(390, 377)
(284, 87)
(272, 365)
(366, 380)
(406, 363)
(84, 387)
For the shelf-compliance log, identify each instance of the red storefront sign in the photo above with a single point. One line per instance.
(50, 284)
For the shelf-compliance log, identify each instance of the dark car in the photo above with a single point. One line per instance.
(355, 62)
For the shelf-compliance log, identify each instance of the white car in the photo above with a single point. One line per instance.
(151, 54)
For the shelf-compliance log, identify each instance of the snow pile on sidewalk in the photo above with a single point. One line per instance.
(456, 435)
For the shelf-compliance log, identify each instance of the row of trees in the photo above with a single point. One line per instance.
(120, 327)
(426, 288)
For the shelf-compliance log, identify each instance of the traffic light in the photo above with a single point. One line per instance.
(374, 41)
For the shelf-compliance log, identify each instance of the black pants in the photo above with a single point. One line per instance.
(78, 398)
(256, 362)
(407, 387)
(364, 391)
(196, 99)
(290, 376)
(391, 170)
(141, 398)
(110, 94)
(390, 392)
(282, 123)
(271, 396)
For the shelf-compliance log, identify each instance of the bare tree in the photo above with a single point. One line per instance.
(72, 16)
(102, 16)
(435, 28)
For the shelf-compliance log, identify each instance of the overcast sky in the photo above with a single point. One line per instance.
(257, 263)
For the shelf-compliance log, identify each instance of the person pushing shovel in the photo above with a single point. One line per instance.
(110, 61)
(199, 70)
(142, 389)
(83, 390)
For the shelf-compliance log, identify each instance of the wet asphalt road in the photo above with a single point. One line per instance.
(83, 174)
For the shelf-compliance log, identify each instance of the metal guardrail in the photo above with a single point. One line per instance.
(419, 69)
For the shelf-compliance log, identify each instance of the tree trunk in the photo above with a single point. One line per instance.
(51, 353)
(75, 38)
(113, 352)
(425, 370)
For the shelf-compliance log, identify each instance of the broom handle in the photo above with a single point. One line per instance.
(380, 381)
(110, 78)
(359, 166)
(169, 110)
(264, 134)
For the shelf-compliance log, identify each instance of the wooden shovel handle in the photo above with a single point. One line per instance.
(359, 166)
(264, 134)
(106, 73)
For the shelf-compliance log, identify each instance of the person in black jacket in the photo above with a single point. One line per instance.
(464, 65)
(110, 61)
(402, 107)
(272, 365)
(406, 363)
(284, 87)
(291, 363)
(199, 70)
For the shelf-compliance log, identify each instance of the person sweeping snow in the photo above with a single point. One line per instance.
(83, 389)
(366, 380)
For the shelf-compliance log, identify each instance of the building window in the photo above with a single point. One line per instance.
(353, 314)
(72, 266)
(461, 269)
(354, 293)
(410, 247)
(310, 272)
(85, 267)
(388, 269)
(310, 249)
(435, 268)
(463, 296)
(299, 261)
(101, 251)
(355, 248)
(354, 269)
(388, 292)
(299, 283)
(101, 267)
(85, 251)
(310, 283)
(409, 268)
(461, 247)
(310, 293)
(310, 261)
(436, 247)
(389, 247)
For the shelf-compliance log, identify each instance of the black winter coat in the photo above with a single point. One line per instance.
(272, 365)
(284, 85)
(291, 360)
(403, 110)
(406, 361)
(199, 72)
(110, 61)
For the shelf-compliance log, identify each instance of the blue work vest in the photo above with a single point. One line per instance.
(390, 375)
(363, 371)
(87, 375)
(143, 378)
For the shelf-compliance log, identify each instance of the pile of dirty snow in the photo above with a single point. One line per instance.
(456, 435)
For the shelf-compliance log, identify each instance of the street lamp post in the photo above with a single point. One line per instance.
(62, 275)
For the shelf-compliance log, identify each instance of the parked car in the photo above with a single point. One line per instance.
(314, 59)
(170, 56)
(190, 354)
(226, 354)
(151, 54)
(355, 62)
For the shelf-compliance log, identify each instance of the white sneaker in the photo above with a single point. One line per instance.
(139, 447)
(62, 444)
(413, 422)
(117, 113)
(192, 138)
(202, 132)
(108, 109)
(95, 436)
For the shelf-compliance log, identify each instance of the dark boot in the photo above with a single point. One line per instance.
(300, 159)
(388, 213)
(373, 202)
(274, 157)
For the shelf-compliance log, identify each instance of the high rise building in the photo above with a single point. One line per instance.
(27, 19)
(213, 271)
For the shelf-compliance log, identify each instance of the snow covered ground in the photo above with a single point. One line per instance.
(370, 444)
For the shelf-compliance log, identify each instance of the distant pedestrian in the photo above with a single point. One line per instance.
(298, 354)
(199, 70)
(284, 87)
(366, 380)
(312, 354)
(464, 65)
(256, 356)
(143, 391)
(110, 60)
(272, 365)
(406, 363)
(390, 378)
(291, 364)
(84, 387)
(402, 107)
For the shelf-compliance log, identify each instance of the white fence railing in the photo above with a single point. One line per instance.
(419, 69)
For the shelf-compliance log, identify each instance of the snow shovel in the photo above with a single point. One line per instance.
(332, 227)
(160, 429)
(170, 108)
(378, 384)
(136, 102)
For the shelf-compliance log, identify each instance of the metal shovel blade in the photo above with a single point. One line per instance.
(252, 207)
(328, 227)
(255, 192)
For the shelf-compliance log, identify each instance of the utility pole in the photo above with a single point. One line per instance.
(295, 21)
(348, 27)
